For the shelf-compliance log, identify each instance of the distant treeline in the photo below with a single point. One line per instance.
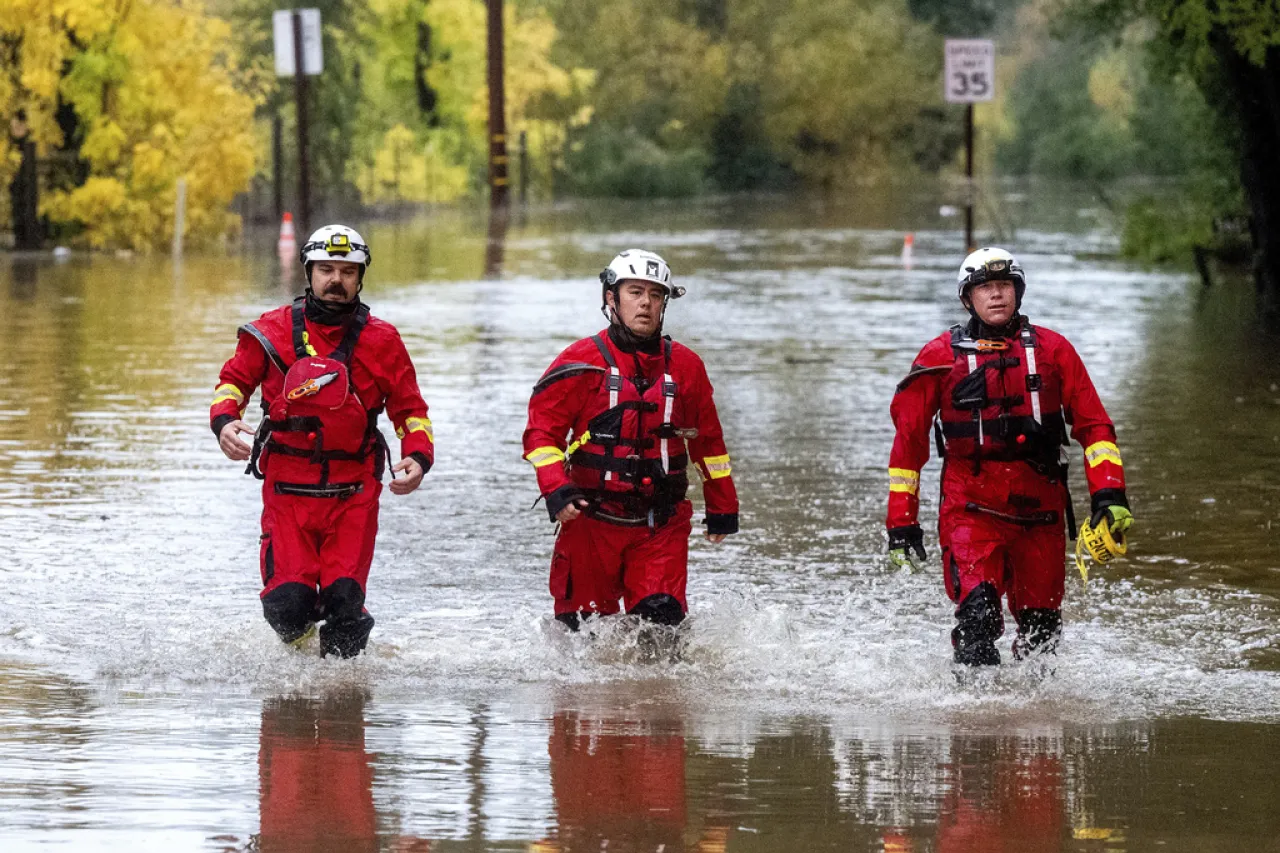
(628, 98)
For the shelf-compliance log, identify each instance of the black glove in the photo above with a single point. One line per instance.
(562, 497)
(1104, 499)
(903, 538)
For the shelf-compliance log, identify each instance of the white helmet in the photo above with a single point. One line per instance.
(640, 265)
(990, 264)
(336, 243)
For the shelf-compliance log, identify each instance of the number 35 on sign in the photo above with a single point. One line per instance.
(969, 72)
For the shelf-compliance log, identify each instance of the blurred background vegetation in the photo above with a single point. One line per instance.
(1145, 100)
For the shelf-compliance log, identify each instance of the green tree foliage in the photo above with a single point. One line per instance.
(831, 91)
(1217, 62)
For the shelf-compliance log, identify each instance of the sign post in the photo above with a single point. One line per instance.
(298, 54)
(969, 76)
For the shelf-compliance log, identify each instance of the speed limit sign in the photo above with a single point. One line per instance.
(969, 72)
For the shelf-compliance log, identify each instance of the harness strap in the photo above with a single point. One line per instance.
(669, 399)
(1033, 378)
(564, 371)
(630, 465)
(299, 328)
(273, 355)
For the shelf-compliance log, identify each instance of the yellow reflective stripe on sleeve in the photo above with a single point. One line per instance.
(718, 466)
(227, 392)
(417, 425)
(542, 456)
(904, 480)
(1102, 451)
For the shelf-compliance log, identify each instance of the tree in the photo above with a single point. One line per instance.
(156, 98)
(1232, 52)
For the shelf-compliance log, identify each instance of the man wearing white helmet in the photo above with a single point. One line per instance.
(638, 412)
(327, 369)
(1000, 394)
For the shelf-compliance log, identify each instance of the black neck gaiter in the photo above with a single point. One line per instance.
(329, 313)
(627, 341)
(979, 330)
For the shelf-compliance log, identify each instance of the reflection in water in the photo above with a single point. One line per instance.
(316, 777)
(619, 778)
(495, 242)
(1002, 794)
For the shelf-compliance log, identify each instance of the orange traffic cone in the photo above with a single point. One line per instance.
(288, 244)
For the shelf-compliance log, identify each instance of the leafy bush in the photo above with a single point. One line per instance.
(622, 164)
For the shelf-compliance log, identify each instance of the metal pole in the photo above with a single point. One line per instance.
(968, 174)
(303, 217)
(277, 161)
(498, 188)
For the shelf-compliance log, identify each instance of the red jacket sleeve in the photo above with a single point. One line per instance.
(553, 410)
(1090, 425)
(708, 452)
(913, 408)
(405, 407)
(237, 381)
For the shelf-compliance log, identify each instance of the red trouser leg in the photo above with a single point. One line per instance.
(290, 549)
(596, 563)
(658, 562)
(315, 541)
(350, 530)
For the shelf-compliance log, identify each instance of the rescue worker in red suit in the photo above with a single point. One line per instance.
(1000, 395)
(327, 370)
(638, 412)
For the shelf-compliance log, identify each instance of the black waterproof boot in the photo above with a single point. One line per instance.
(658, 637)
(347, 624)
(979, 623)
(290, 609)
(1039, 630)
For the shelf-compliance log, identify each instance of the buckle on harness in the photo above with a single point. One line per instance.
(613, 382)
(668, 389)
(1035, 382)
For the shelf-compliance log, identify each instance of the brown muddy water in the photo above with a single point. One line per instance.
(145, 705)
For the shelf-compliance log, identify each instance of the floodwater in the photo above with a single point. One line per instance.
(145, 705)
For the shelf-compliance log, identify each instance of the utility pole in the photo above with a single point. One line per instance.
(498, 181)
(304, 161)
(277, 163)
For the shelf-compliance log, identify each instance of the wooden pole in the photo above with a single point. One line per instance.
(498, 181)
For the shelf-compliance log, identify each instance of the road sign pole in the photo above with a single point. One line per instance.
(968, 178)
(303, 216)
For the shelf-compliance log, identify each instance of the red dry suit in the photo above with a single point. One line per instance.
(322, 465)
(636, 422)
(1003, 407)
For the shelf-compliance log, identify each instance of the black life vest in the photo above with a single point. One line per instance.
(996, 405)
(631, 460)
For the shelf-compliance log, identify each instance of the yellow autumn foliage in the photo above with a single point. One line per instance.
(157, 97)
